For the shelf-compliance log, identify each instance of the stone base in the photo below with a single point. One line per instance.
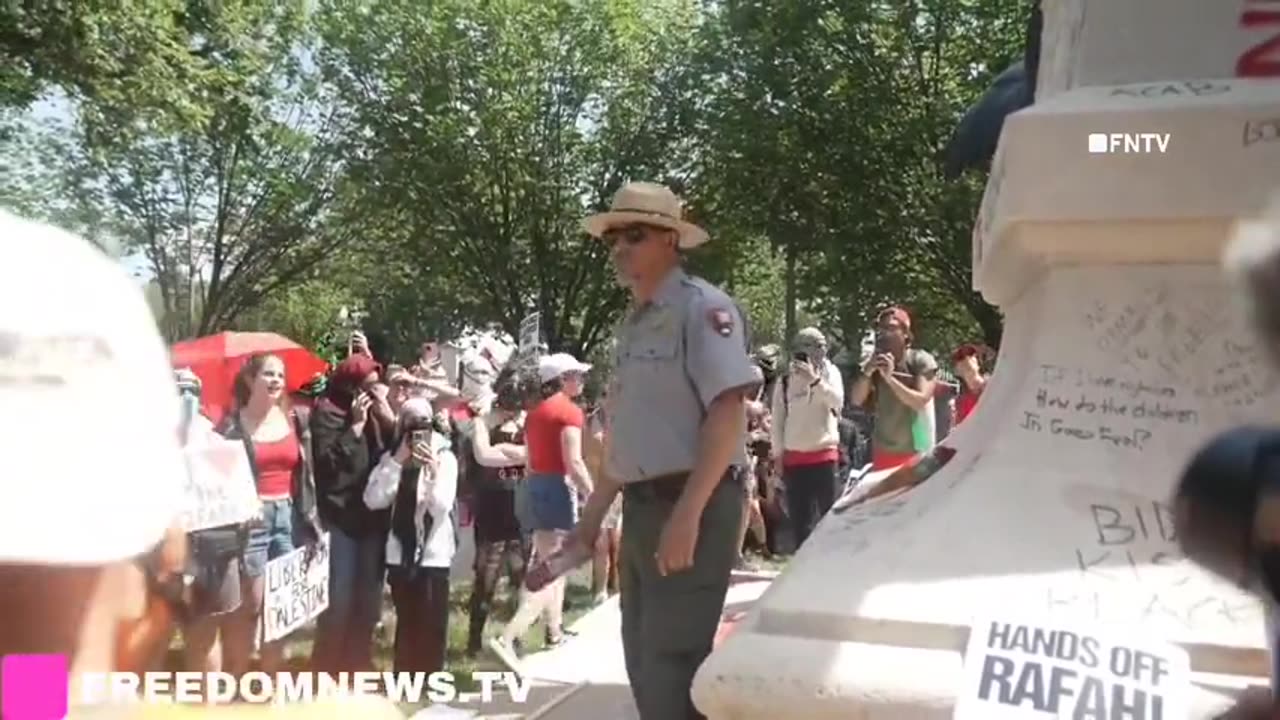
(1054, 506)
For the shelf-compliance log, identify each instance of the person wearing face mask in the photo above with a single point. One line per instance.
(806, 407)
(897, 384)
(214, 554)
(347, 443)
(194, 427)
(418, 481)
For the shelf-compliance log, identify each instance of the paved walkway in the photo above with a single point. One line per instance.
(593, 660)
(586, 678)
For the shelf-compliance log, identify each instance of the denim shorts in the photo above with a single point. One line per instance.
(548, 503)
(271, 538)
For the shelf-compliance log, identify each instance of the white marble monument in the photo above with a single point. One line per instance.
(1123, 351)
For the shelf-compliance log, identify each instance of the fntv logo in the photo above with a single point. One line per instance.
(1129, 143)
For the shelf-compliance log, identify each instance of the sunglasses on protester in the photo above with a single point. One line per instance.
(629, 234)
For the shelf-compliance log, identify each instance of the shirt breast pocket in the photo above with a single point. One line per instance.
(654, 349)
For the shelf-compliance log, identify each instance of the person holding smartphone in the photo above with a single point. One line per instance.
(897, 384)
(418, 481)
(806, 431)
(347, 442)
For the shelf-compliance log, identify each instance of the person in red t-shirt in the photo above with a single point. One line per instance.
(965, 361)
(553, 437)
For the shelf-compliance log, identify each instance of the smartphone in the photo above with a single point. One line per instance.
(882, 344)
(802, 357)
(421, 436)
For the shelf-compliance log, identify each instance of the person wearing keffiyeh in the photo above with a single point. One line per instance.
(418, 481)
(347, 441)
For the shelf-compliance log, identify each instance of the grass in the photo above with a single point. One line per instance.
(298, 645)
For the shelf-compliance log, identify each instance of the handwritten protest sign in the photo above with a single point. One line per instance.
(297, 590)
(530, 333)
(1029, 670)
(219, 486)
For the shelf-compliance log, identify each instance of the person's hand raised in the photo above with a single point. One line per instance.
(804, 370)
(360, 408)
(424, 455)
(884, 363)
(359, 343)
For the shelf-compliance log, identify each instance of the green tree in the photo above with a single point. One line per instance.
(488, 130)
(244, 204)
(822, 134)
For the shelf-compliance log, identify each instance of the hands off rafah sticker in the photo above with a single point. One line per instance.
(1039, 669)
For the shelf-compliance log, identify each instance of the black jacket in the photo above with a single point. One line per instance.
(307, 522)
(343, 462)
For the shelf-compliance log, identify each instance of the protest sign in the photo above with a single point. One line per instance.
(1031, 670)
(530, 333)
(297, 589)
(219, 488)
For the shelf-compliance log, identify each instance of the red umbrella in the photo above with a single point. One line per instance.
(216, 359)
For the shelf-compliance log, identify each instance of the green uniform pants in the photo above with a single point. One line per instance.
(669, 623)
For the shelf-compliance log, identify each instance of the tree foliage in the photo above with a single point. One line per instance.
(430, 163)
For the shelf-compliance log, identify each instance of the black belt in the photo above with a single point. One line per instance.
(668, 488)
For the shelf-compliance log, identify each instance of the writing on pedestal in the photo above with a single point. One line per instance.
(1124, 536)
(1130, 569)
(1241, 380)
(1076, 404)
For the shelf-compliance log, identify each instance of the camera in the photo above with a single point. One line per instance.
(882, 344)
(801, 357)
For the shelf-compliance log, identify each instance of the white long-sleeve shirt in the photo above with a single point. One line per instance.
(436, 495)
(805, 419)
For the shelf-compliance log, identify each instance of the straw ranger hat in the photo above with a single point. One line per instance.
(650, 204)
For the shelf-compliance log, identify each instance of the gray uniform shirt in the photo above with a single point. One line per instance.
(672, 358)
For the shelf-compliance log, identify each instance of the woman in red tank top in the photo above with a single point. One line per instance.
(278, 446)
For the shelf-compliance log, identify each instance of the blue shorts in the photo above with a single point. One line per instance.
(270, 539)
(547, 503)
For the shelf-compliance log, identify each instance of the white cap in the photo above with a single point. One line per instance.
(75, 332)
(551, 367)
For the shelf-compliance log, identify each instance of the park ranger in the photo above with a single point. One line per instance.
(676, 419)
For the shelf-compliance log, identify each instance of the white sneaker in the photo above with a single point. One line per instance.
(505, 653)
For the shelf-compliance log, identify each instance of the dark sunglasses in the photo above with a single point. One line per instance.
(630, 234)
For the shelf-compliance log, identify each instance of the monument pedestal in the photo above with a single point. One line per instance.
(1123, 352)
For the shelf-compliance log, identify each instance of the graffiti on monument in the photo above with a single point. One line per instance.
(1191, 611)
(1266, 130)
(1242, 378)
(1189, 88)
(1161, 333)
(1102, 408)
(1263, 58)
(878, 519)
(1127, 567)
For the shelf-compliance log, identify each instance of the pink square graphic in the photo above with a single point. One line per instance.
(33, 687)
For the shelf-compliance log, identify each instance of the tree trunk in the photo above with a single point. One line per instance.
(790, 325)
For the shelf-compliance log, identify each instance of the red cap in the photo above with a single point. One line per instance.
(898, 314)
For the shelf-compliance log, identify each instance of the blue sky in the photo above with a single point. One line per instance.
(57, 108)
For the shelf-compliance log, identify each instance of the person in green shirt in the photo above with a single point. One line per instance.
(897, 384)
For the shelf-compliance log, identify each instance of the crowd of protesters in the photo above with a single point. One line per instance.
(394, 462)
